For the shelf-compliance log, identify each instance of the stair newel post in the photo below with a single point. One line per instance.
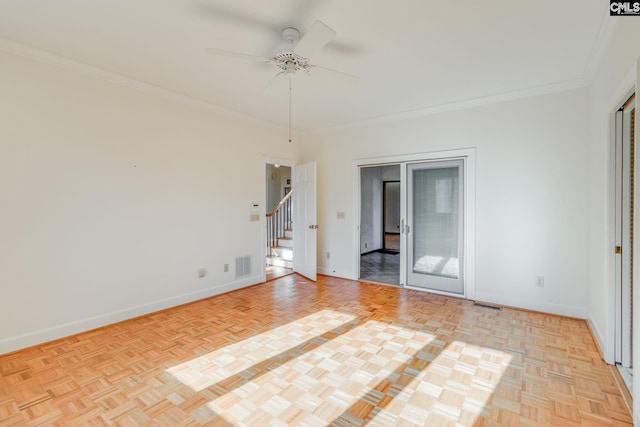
(274, 231)
(272, 242)
(289, 214)
(268, 235)
(275, 227)
(281, 223)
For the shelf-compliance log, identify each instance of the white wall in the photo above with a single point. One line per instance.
(111, 201)
(531, 200)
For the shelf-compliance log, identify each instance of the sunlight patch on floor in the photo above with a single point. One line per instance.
(382, 372)
(231, 360)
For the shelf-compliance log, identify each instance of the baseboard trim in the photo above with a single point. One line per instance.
(597, 338)
(544, 307)
(327, 271)
(53, 333)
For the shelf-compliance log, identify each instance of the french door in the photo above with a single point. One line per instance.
(434, 231)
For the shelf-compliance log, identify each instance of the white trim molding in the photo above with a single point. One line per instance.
(526, 304)
(599, 340)
(15, 48)
(461, 105)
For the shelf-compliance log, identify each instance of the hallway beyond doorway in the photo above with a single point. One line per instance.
(380, 266)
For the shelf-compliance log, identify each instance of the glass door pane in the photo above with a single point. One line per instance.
(435, 215)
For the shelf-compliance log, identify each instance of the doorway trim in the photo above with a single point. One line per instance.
(268, 160)
(469, 157)
(607, 341)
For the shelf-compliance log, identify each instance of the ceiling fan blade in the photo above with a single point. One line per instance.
(349, 77)
(269, 89)
(230, 54)
(318, 35)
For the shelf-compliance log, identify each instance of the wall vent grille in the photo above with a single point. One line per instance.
(243, 266)
(493, 307)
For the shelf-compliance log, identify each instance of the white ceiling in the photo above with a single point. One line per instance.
(410, 54)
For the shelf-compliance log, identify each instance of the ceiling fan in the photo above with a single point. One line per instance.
(293, 56)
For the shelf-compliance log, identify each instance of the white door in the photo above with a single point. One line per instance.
(304, 220)
(434, 230)
(624, 237)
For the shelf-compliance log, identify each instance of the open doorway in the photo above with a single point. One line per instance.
(391, 216)
(279, 221)
(380, 223)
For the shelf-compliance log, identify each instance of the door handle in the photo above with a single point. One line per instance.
(404, 228)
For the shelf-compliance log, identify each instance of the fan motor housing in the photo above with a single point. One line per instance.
(290, 34)
(290, 62)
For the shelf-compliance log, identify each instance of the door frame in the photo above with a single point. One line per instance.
(607, 341)
(267, 160)
(469, 157)
(623, 234)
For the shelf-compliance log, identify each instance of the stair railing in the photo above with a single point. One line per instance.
(279, 220)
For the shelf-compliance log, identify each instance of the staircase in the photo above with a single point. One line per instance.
(281, 255)
(280, 234)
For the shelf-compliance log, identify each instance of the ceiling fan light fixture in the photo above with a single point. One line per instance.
(290, 62)
(292, 55)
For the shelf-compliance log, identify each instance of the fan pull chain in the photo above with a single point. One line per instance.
(289, 109)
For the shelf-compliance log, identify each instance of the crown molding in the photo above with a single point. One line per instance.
(606, 31)
(461, 105)
(40, 55)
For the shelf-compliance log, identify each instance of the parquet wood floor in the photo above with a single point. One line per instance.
(274, 272)
(335, 352)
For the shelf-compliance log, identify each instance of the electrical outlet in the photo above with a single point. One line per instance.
(540, 281)
(365, 246)
(226, 268)
(202, 272)
(328, 255)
